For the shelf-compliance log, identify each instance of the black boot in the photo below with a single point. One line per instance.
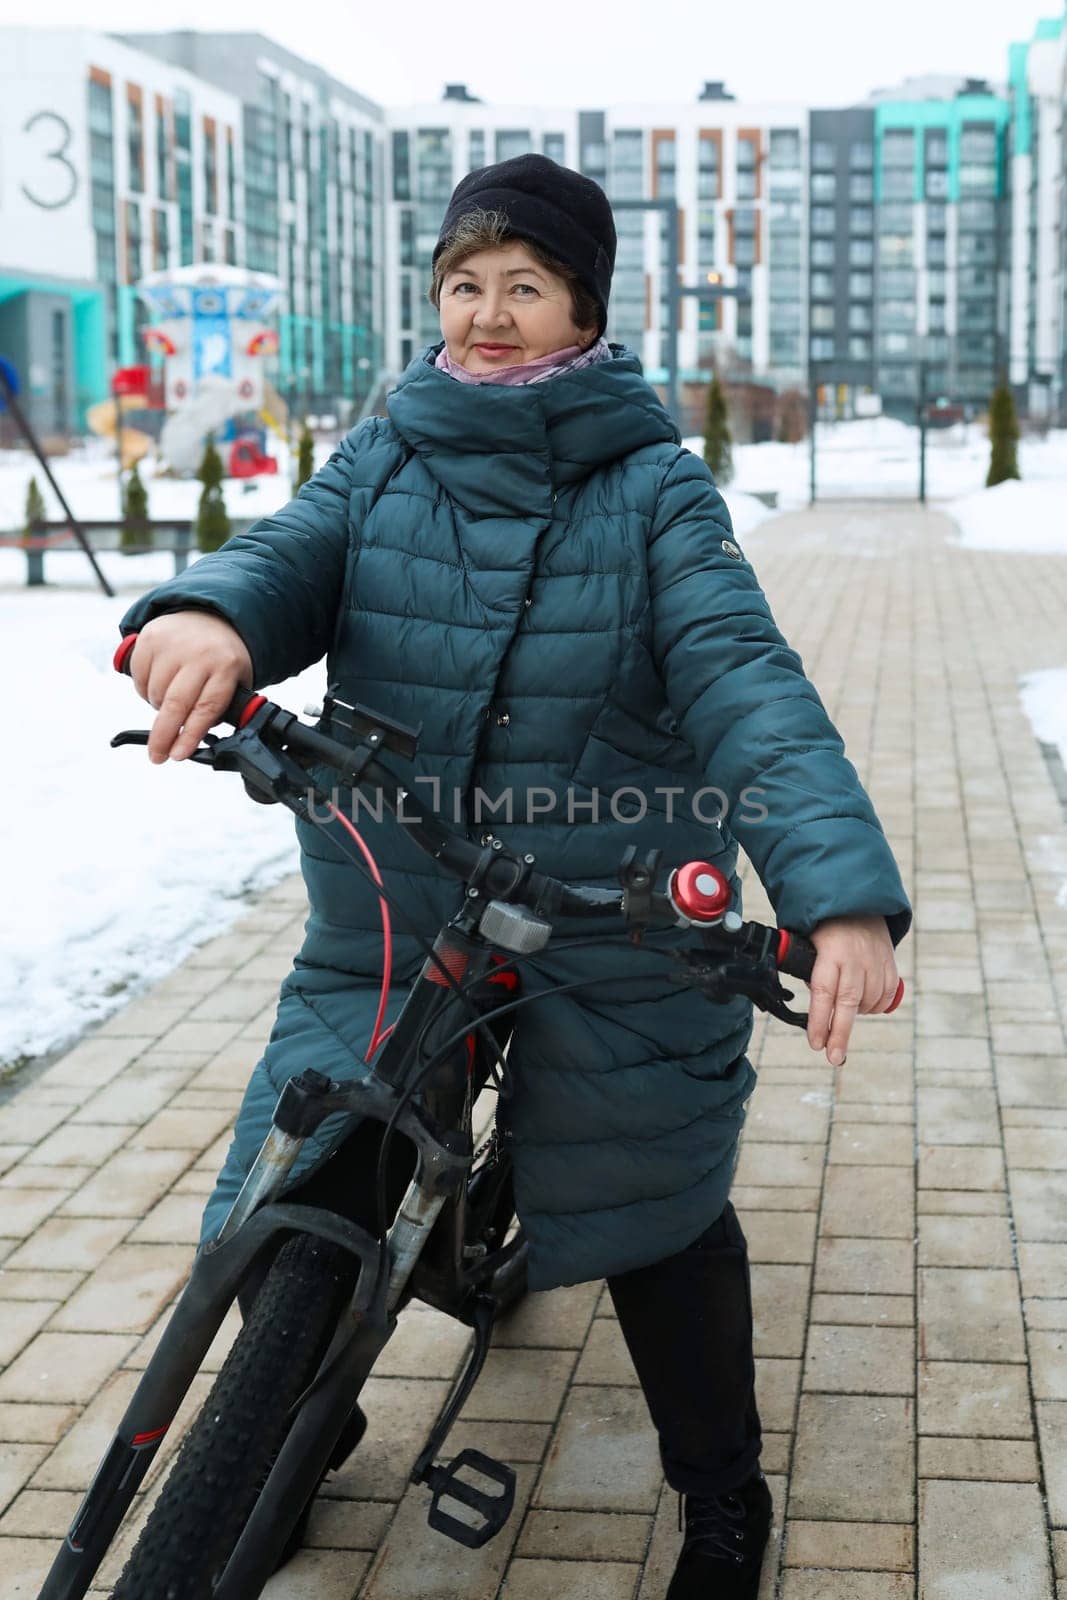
(725, 1538)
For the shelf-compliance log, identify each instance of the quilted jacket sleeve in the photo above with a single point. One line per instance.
(279, 584)
(756, 722)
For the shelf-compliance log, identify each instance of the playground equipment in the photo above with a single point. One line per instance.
(213, 330)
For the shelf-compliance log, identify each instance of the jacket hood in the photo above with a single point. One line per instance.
(496, 450)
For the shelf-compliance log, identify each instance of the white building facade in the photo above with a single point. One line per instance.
(736, 172)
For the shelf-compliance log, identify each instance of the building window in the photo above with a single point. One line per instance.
(976, 179)
(211, 171)
(401, 165)
(555, 147)
(859, 349)
(664, 150)
(978, 144)
(785, 148)
(895, 219)
(861, 187)
(709, 175)
(822, 286)
(861, 253)
(822, 349)
(822, 319)
(476, 149)
(135, 137)
(936, 150)
(896, 250)
(936, 218)
(231, 177)
(860, 318)
(860, 285)
(861, 157)
(977, 215)
(822, 252)
(407, 237)
(434, 167)
(823, 156)
(823, 186)
(511, 142)
(627, 164)
(898, 183)
(133, 241)
(898, 149)
(860, 219)
(936, 283)
(160, 240)
(936, 184)
(935, 251)
(822, 219)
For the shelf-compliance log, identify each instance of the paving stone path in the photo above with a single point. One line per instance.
(907, 1215)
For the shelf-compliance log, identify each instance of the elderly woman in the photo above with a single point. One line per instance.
(523, 558)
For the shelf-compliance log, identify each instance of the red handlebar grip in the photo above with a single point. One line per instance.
(897, 998)
(121, 659)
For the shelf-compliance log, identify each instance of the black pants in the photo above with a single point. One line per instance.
(687, 1322)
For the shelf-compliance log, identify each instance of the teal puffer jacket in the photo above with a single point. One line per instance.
(546, 581)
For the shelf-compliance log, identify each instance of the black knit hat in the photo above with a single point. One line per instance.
(564, 212)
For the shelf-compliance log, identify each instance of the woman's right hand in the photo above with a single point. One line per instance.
(187, 664)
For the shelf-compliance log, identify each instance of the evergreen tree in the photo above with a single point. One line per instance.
(305, 457)
(136, 530)
(36, 513)
(718, 440)
(212, 519)
(1003, 436)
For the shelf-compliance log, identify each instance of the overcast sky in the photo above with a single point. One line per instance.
(600, 52)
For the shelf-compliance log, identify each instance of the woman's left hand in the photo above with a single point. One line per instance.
(855, 972)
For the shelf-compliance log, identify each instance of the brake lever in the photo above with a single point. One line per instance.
(719, 981)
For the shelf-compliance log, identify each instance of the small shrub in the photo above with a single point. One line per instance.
(1003, 436)
(35, 514)
(305, 457)
(718, 440)
(136, 531)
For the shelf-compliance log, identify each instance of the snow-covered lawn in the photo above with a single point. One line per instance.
(879, 456)
(1044, 698)
(113, 869)
(1021, 516)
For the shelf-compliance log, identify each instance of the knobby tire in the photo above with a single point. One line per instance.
(230, 1447)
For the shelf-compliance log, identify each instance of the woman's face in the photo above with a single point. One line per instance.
(500, 308)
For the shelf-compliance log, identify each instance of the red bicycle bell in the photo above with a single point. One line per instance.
(699, 892)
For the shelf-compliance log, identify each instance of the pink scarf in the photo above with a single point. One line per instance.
(572, 359)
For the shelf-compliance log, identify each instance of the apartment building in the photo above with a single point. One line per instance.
(916, 241)
(1037, 178)
(734, 177)
(313, 207)
(115, 164)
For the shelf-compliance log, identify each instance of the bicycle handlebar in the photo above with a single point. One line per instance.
(697, 894)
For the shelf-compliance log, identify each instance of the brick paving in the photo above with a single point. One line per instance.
(907, 1214)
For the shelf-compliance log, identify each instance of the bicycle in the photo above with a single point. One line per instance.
(284, 1410)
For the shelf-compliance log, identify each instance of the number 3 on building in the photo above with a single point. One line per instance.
(55, 153)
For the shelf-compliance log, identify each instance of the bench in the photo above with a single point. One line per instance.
(174, 537)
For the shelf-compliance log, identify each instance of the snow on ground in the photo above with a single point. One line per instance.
(1020, 516)
(1044, 698)
(113, 869)
(879, 456)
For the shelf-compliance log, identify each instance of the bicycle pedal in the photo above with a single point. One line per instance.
(495, 1509)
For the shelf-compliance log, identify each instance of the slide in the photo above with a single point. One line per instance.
(102, 419)
(184, 432)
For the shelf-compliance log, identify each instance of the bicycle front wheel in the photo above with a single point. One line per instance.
(230, 1447)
